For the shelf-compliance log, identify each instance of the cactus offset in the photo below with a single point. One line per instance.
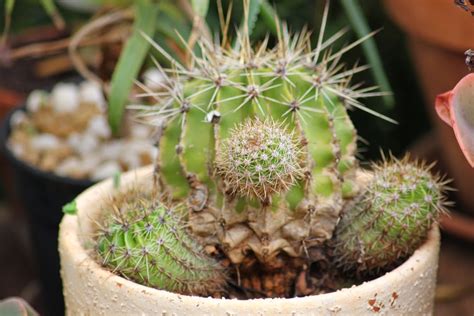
(391, 218)
(260, 159)
(145, 242)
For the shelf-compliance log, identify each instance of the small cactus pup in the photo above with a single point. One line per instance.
(259, 159)
(146, 242)
(391, 218)
(259, 143)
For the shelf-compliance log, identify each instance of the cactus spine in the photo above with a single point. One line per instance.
(391, 219)
(146, 242)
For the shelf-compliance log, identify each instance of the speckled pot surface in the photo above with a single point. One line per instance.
(91, 290)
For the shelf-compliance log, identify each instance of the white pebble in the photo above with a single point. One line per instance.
(140, 131)
(144, 148)
(83, 144)
(99, 127)
(65, 97)
(45, 142)
(153, 78)
(35, 100)
(90, 162)
(112, 150)
(106, 170)
(17, 149)
(91, 92)
(131, 160)
(17, 118)
(68, 166)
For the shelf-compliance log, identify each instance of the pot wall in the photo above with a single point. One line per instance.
(91, 290)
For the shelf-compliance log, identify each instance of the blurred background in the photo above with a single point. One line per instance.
(421, 46)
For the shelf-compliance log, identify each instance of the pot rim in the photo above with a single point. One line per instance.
(71, 237)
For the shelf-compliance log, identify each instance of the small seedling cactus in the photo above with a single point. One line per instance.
(391, 218)
(146, 242)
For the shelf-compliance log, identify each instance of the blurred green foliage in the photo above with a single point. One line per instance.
(408, 111)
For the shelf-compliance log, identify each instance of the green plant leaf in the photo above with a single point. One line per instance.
(53, 12)
(200, 7)
(9, 5)
(268, 15)
(254, 11)
(70, 208)
(131, 60)
(360, 26)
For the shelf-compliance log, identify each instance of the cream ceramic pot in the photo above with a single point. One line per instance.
(91, 290)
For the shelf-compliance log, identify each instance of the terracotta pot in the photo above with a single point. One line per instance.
(438, 35)
(91, 290)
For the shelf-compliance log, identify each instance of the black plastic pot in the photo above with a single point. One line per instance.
(43, 195)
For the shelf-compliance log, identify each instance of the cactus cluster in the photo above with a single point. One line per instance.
(258, 141)
(258, 145)
(146, 242)
(391, 218)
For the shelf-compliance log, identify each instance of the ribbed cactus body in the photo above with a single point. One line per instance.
(209, 103)
(147, 243)
(391, 219)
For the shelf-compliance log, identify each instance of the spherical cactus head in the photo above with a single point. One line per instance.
(260, 158)
(391, 219)
(146, 242)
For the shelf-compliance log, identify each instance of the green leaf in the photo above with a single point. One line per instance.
(268, 15)
(48, 6)
(200, 7)
(53, 12)
(131, 60)
(70, 208)
(9, 5)
(360, 26)
(254, 10)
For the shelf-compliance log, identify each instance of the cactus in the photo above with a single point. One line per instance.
(391, 218)
(212, 109)
(259, 159)
(146, 242)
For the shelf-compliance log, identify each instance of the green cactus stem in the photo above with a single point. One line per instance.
(391, 218)
(146, 242)
(208, 110)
